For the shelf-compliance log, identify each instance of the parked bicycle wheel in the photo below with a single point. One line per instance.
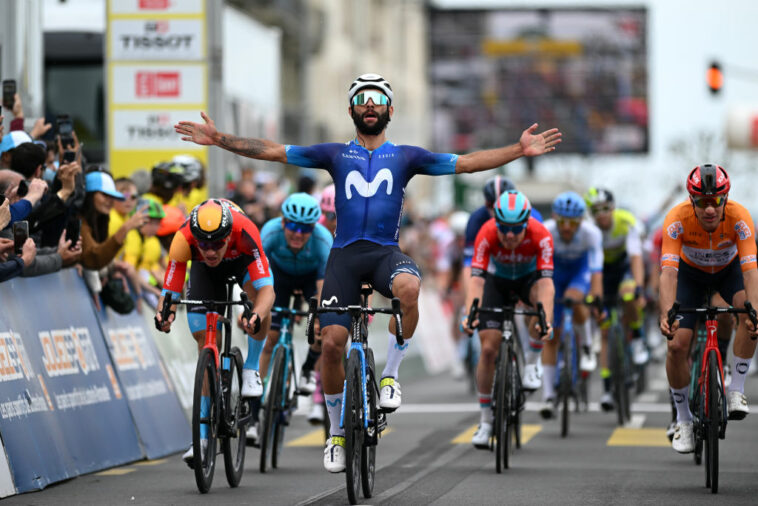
(353, 424)
(270, 417)
(234, 445)
(368, 449)
(713, 423)
(204, 458)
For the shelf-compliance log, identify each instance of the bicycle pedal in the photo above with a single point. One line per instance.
(381, 420)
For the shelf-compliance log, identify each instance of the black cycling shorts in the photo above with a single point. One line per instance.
(210, 282)
(692, 285)
(285, 284)
(499, 292)
(613, 274)
(356, 263)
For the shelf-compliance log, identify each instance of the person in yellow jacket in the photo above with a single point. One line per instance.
(142, 250)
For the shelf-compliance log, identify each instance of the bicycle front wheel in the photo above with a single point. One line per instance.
(368, 449)
(501, 409)
(285, 395)
(271, 408)
(616, 351)
(353, 424)
(234, 444)
(713, 420)
(204, 423)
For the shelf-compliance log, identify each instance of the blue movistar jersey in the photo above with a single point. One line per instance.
(311, 258)
(475, 222)
(370, 185)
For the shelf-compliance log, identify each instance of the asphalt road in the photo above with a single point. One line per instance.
(426, 458)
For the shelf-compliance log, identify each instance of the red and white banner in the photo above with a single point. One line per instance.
(165, 84)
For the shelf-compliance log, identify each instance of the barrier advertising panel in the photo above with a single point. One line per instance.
(62, 411)
(161, 424)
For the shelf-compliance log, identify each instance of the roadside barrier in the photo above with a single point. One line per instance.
(65, 408)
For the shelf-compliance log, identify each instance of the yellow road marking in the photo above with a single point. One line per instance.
(116, 472)
(316, 438)
(156, 462)
(528, 431)
(638, 437)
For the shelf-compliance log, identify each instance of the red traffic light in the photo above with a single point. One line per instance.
(715, 78)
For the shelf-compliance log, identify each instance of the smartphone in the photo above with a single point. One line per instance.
(72, 231)
(23, 189)
(69, 156)
(9, 93)
(20, 235)
(65, 128)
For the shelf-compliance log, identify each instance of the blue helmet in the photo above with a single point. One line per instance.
(301, 208)
(569, 205)
(512, 207)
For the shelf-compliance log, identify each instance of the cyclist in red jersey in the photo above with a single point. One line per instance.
(222, 242)
(513, 256)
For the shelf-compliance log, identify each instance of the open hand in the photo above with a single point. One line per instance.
(198, 133)
(536, 144)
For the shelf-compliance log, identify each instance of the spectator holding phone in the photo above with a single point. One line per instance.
(98, 248)
(12, 265)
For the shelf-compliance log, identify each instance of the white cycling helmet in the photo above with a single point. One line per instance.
(369, 81)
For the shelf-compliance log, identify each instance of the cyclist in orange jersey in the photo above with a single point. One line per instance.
(708, 241)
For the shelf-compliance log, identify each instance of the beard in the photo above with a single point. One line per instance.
(376, 128)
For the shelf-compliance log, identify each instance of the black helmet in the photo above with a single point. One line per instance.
(168, 175)
(495, 187)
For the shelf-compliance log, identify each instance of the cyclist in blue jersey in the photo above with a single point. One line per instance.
(297, 248)
(370, 175)
(578, 259)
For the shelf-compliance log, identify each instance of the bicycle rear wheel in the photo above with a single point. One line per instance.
(353, 424)
(204, 462)
(283, 413)
(271, 406)
(368, 451)
(713, 421)
(234, 444)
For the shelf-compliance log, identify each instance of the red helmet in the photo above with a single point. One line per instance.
(708, 181)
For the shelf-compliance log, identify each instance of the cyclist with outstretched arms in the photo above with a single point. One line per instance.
(623, 277)
(221, 242)
(578, 260)
(708, 242)
(513, 256)
(370, 175)
(297, 248)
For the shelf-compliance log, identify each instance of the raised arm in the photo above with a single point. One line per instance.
(206, 134)
(530, 144)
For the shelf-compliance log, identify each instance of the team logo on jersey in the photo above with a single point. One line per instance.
(547, 250)
(675, 229)
(367, 188)
(329, 302)
(747, 259)
(742, 230)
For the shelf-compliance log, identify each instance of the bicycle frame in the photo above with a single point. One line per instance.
(285, 341)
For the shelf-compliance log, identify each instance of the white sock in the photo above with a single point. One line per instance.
(740, 367)
(395, 354)
(485, 404)
(682, 403)
(584, 333)
(548, 382)
(533, 351)
(334, 409)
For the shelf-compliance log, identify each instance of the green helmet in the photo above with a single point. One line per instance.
(154, 208)
(595, 196)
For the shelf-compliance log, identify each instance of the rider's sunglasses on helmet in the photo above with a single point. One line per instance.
(377, 97)
(568, 221)
(330, 216)
(704, 202)
(212, 245)
(601, 208)
(303, 228)
(514, 229)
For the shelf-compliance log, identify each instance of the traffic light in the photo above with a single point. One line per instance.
(715, 78)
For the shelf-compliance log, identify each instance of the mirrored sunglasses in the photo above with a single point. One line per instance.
(704, 202)
(514, 229)
(303, 228)
(377, 97)
(215, 245)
